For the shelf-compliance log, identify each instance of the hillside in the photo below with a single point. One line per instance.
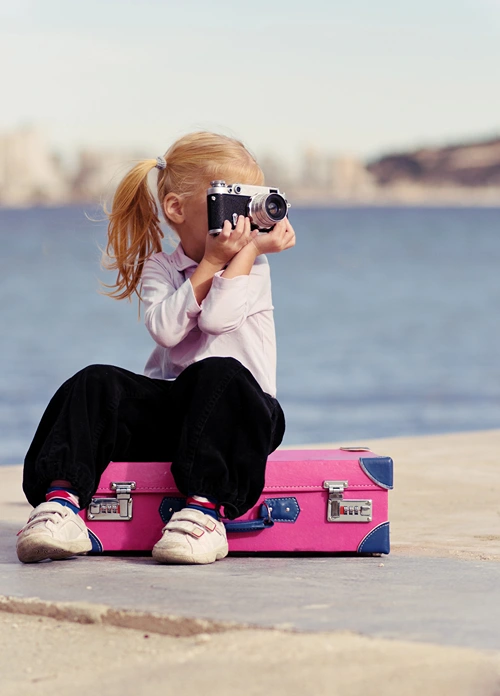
(475, 164)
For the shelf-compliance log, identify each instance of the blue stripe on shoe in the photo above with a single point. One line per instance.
(207, 511)
(66, 503)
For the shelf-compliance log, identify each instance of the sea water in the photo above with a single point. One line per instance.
(387, 320)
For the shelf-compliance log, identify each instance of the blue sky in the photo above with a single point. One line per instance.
(355, 76)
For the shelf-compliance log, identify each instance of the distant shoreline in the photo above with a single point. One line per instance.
(307, 204)
(446, 205)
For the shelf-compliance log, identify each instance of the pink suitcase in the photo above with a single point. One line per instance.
(313, 500)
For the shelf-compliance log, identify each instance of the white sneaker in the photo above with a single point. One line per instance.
(52, 531)
(191, 536)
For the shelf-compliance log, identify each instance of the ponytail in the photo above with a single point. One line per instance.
(134, 231)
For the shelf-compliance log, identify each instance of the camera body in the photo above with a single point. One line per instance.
(264, 206)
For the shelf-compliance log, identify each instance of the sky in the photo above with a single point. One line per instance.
(361, 77)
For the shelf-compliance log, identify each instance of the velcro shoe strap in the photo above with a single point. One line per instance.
(44, 512)
(196, 516)
(48, 509)
(185, 527)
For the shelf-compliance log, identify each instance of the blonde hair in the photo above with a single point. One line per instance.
(134, 229)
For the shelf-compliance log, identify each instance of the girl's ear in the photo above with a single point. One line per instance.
(173, 207)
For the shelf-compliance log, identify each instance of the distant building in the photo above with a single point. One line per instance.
(314, 170)
(349, 179)
(29, 172)
(275, 172)
(99, 173)
(328, 179)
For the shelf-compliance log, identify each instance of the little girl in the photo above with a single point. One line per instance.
(207, 399)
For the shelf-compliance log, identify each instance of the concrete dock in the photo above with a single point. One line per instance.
(426, 617)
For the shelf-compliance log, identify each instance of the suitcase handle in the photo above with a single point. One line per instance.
(272, 510)
(265, 520)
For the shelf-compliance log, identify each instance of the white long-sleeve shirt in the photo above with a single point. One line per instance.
(234, 320)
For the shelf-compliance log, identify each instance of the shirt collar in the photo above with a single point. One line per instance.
(180, 260)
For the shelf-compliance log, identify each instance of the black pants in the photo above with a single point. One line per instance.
(214, 423)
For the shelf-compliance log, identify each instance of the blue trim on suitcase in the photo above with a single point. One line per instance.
(283, 509)
(377, 541)
(379, 469)
(95, 541)
(170, 505)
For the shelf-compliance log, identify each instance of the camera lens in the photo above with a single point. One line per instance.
(276, 207)
(266, 209)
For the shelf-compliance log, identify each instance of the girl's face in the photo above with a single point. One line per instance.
(192, 225)
(194, 228)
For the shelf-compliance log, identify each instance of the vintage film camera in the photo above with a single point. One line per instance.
(264, 206)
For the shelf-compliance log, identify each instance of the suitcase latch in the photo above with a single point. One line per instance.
(340, 510)
(109, 509)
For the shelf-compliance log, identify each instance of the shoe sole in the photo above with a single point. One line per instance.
(34, 549)
(181, 558)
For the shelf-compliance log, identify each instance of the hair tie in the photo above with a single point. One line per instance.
(161, 163)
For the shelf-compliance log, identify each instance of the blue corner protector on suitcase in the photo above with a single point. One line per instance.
(379, 469)
(96, 543)
(377, 541)
(170, 505)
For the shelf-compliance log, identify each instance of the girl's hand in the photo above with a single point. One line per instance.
(281, 237)
(220, 250)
